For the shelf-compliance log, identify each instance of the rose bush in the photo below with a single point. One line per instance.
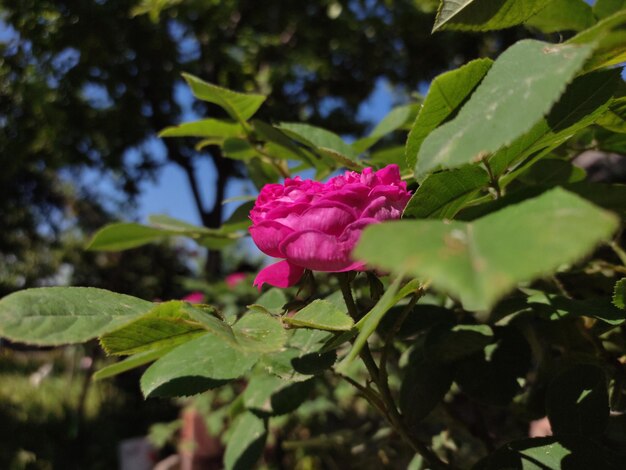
(314, 225)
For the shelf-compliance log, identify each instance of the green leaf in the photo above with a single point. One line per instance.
(604, 8)
(122, 236)
(424, 385)
(167, 324)
(198, 365)
(259, 332)
(396, 118)
(280, 145)
(565, 452)
(446, 343)
(389, 155)
(609, 39)
(240, 106)
(62, 315)
(557, 307)
(321, 315)
(272, 301)
(482, 260)
(443, 194)
(204, 128)
(131, 362)
(492, 375)
(485, 15)
(531, 72)
(577, 401)
(245, 444)
(446, 94)
(302, 358)
(367, 325)
(323, 142)
(614, 118)
(619, 294)
(584, 101)
(563, 15)
(271, 395)
(552, 172)
(238, 149)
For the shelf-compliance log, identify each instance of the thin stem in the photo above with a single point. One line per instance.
(346, 291)
(619, 251)
(492, 179)
(383, 401)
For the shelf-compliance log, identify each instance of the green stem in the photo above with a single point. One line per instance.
(619, 251)
(388, 406)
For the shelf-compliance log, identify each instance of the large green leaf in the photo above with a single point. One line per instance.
(259, 332)
(271, 395)
(531, 72)
(563, 15)
(447, 343)
(61, 315)
(167, 324)
(443, 194)
(424, 385)
(577, 401)
(446, 94)
(240, 106)
(322, 315)
(609, 39)
(556, 307)
(198, 365)
(481, 261)
(484, 15)
(585, 100)
(604, 8)
(245, 444)
(204, 128)
(571, 452)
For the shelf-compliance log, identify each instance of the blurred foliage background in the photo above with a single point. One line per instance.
(85, 86)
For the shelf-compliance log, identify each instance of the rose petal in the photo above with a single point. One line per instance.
(328, 217)
(267, 235)
(389, 175)
(316, 250)
(281, 274)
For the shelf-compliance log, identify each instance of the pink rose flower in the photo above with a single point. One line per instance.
(233, 279)
(194, 298)
(313, 225)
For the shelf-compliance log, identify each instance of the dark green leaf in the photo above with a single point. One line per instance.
(240, 106)
(424, 385)
(604, 8)
(446, 94)
(549, 453)
(563, 15)
(443, 194)
(198, 365)
(447, 343)
(533, 72)
(577, 401)
(245, 444)
(485, 15)
(61, 315)
(619, 294)
(271, 395)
